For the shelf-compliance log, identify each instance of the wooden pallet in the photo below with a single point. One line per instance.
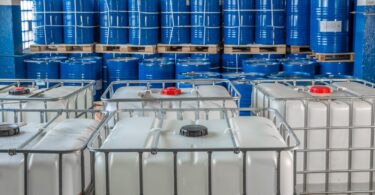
(126, 49)
(299, 50)
(255, 49)
(62, 48)
(189, 48)
(334, 57)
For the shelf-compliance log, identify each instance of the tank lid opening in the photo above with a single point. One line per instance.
(194, 131)
(19, 91)
(172, 91)
(320, 90)
(7, 130)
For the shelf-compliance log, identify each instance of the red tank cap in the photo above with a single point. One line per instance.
(171, 91)
(320, 90)
(19, 88)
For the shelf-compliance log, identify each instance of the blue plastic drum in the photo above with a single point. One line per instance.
(270, 22)
(79, 21)
(233, 62)
(215, 60)
(175, 56)
(42, 69)
(298, 22)
(175, 22)
(266, 67)
(184, 66)
(157, 69)
(143, 22)
(113, 21)
(307, 66)
(239, 22)
(336, 68)
(48, 22)
(330, 26)
(195, 76)
(120, 69)
(205, 22)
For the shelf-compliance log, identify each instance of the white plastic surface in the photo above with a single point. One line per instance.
(316, 115)
(201, 91)
(43, 168)
(192, 167)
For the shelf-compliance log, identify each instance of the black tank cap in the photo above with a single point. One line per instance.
(7, 130)
(194, 131)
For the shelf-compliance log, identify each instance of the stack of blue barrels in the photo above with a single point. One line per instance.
(143, 22)
(270, 22)
(175, 22)
(113, 21)
(48, 22)
(330, 33)
(205, 22)
(79, 24)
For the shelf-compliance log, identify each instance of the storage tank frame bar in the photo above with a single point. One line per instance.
(286, 133)
(348, 100)
(61, 153)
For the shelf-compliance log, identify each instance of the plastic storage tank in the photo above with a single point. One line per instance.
(298, 22)
(330, 26)
(113, 21)
(79, 21)
(270, 22)
(42, 144)
(143, 22)
(175, 22)
(335, 112)
(169, 170)
(48, 22)
(239, 22)
(205, 22)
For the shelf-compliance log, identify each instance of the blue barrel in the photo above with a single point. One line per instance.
(48, 22)
(268, 56)
(205, 22)
(292, 75)
(106, 57)
(143, 22)
(245, 88)
(330, 26)
(266, 67)
(120, 69)
(58, 59)
(145, 56)
(270, 22)
(113, 21)
(331, 76)
(298, 22)
(42, 69)
(197, 65)
(297, 56)
(233, 62)
(157, 69)
(213, 58)
(194, 76)
(362, 6)
(175, 56)
(79, 22)
(307, 66)
(336, 68)
(242, 75)
(175, 22)
(239, 22)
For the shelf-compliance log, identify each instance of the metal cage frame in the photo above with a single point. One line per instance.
(349, 100)
(285, 131)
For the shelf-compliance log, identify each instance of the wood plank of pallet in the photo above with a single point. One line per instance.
(62, 48)
(255, 49)
(130, 49)
(335, 57)
(300, 50)
(188, 48)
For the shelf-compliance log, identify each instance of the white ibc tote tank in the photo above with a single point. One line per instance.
(43, 94)
(162, 156)
(46, 159)
(334, 120)
(203, 94)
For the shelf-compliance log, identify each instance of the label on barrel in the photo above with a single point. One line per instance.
(330, 26)
(365, 2)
